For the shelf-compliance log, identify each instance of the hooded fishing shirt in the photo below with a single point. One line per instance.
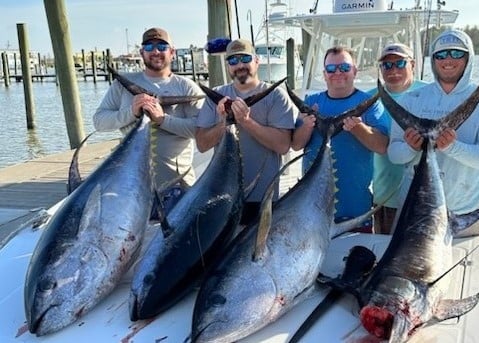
(459, 163)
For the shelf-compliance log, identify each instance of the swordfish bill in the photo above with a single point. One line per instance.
(92, 239)
(402, 293)
(163, 100)
(272, 264)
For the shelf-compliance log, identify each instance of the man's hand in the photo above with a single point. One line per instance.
(445, 138)
(350, 123)
(413, 138)
(150, 105)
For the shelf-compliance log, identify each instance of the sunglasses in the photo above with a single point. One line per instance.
(149, 47)
(342, 67)
(234, 60)
(455, 54)
(399, 64)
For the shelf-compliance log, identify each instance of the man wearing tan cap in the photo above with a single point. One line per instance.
(397, 70)
(457, 150)
(173, 126)
(264, 128)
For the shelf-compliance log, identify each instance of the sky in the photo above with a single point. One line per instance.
(119, 24)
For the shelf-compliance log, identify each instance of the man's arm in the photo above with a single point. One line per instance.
(206, 138)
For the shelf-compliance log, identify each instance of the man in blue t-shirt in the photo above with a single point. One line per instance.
(352, 148)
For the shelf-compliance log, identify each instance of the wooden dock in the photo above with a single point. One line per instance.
(41, 183)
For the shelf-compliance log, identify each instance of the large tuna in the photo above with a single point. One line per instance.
(92, 239)
(273, 264)
(403, 292)
(196, 230)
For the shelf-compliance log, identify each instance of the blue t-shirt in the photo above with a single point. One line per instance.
(352, 160)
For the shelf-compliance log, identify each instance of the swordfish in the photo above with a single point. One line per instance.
(272, 265)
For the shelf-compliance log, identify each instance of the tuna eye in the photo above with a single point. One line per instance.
(218, 300)
(46, 285)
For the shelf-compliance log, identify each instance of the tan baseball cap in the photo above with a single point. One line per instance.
(239, 47)
(156, 33)
(398, 49)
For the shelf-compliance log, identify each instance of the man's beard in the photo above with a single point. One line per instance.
(243, 77)
(155, 67)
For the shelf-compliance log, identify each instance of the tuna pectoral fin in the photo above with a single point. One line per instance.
(400, 328)
(91, 211)
(266, 213)
(264, 225)
(340, 228)
(449, 308)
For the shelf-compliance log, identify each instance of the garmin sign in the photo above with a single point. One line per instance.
(359, 5)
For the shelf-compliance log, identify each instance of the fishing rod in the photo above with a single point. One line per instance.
(426, 38)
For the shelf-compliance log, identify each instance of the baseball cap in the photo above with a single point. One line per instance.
(447, 41)
(156, 33)
(398, 49)
(239, 47)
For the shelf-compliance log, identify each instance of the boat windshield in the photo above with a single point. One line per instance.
(273, 50)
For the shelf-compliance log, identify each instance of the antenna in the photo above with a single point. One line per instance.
(315, 7)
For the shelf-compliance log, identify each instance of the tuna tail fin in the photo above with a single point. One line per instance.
(406, 119)
(449, 308)
(359, 263)
(163, 100)
(74, 177)
(266, 209)
(130, 86)
(251, 100)
(335, 124)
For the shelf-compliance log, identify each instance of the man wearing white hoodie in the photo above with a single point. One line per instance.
(452, 54)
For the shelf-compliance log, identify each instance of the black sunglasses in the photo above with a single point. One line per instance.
(399, 64)
(455, 54)
(342, 67)
(234, 60)
(149, 47)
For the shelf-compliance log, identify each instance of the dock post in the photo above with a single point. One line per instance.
(6, 72)
(290, 67)
(108, 61)
(93, 66)
(65, 69)
(219, 17)
(26, 74)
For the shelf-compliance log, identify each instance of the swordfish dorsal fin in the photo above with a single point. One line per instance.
(163, 100)
(406, 119)
(266, 210)
(250, 101)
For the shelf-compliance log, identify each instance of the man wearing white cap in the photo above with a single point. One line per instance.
(397, 70)
(452, 55)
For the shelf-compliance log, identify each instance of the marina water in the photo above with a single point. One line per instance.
(17, 144)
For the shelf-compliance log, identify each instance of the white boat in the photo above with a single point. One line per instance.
(271, 44)
(109, 321)
(365, 26)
